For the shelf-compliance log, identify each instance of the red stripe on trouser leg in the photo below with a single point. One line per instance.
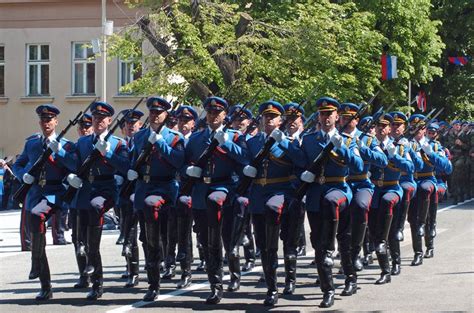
(156, 208)
(339, 202)
(280, 210)
(391, 204)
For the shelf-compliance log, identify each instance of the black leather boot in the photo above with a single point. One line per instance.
(234, 269)
(385, 267)
(290, 275)
(422, 215)
(325, 277)
(186, 279)
(357, 237)
(271, 278)
(44, 274)
(214, 265)
(201, 267)
(83, 281)
(417, 259)
(184, 223)
(170, 271)
(133, 267)
(417, 247)
(350, 286)
(94, 234)
(216, 294)
(153, 260)
(37, 242)
(401, 221)
(152, 293)
(97, 290)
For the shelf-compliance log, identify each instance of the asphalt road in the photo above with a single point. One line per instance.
(444, 283)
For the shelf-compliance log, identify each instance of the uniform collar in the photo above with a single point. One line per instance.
(330, 133)
(51, 137)
(101, 136)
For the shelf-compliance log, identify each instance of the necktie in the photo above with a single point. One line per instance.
(326, 138)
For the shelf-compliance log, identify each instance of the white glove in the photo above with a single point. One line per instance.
(132, 175)
(278, 135)
(250, 171)
(154, 137)
(102, 146)
(404, 142)
(307, 177)
(41, 208)
(221, 137)
(118, 180)
(194, 171)
(74, 181)
(98, 202)
(2, 163)
(54, 145)
(337, 140)
(28, 179)
(391, 149)
(427, 148)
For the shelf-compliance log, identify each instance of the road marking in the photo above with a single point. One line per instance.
(139, 304)
(455, 205)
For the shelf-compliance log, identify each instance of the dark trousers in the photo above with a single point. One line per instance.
(25, 232)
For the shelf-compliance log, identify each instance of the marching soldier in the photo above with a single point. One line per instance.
(351, 237)
(430, 229)
(388, 194)
(269, 197)
(44, 198)
(98, 193)
(84, 128)
(156, 187)
(128, 223)
(213, 189)
(328, 197)
(294, 131)
(183, 215)
(433, 159)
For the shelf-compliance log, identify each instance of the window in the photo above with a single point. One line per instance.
(83, 72)
(37, 73)
(128, 72)
(2, 70)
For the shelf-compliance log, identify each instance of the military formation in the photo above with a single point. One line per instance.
(241, 180)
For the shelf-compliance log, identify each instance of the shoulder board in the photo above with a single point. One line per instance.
(34, 136)
(347, 135)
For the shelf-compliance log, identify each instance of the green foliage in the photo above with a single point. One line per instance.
(288, 48)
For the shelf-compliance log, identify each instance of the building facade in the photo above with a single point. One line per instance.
(46, 57)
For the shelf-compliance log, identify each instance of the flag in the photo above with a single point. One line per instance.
(421, 101)
(458, 60)
(389, 67)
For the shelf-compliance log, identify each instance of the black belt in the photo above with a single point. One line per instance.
(101, 178)
(214, 180)
(53, 182)
(156, 179)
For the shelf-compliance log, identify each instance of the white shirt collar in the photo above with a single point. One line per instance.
(422, 140)
(330, 133)
(51, 137)
(101, 136)
(353, 132)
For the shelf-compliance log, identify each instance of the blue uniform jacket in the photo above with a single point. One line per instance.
(436, 161)
(164, 162)
(224, 163)
(116, 161)
(390, 175)
(338, 165)
(56, 169)
(279, 165)
(372, 154)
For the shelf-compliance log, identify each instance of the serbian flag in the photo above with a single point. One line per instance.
(458, 60)
(389, 67)
(421, 101)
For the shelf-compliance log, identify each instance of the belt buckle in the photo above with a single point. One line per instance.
(207, 180)
(264, 181)
(91, 179)
(321, 180)
(146, 178)
(42, 183)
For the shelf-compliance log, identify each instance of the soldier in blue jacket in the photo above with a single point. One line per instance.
(183, 214)
(430, 228)
(213, 191)
(156, 186)
(433, 159)
(351, 237)
(44, 198)
(270, 195)
(128, 222)
(387, 195)
(98, 193)
(328, 197)
(408, 185)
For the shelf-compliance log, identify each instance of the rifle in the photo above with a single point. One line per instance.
(204, 157)
(376, 118)
(143, 156)
(94, 156)
(246, 181)
(145, 123)
(413, 131)
(323, 155)
(20, 194)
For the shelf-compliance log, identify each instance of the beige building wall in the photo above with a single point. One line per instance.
(59, 24)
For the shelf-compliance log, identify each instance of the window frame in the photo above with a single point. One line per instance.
(37, 63)
(131, 78)
(84, 61)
